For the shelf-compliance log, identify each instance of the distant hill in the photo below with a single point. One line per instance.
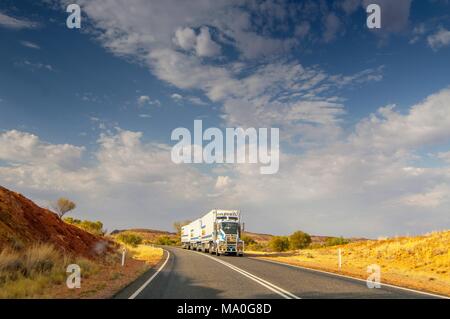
(23, 223)
(148, 234)
(265, 238)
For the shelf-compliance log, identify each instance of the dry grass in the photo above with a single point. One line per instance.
(39, 271)
(28, 272)
(146, 253)
(112, 277)
(421, 262)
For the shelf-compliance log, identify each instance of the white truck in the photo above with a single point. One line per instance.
(218, 232)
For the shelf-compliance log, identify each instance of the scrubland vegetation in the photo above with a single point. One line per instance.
(39, 271)
(26, 273)
(421, 262)
(95, 228)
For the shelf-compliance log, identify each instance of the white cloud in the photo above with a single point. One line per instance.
(15, 23)
(367, 180)
(143, 99)
(203, 44)
(176, 97)
(35, 66)
(222, 182)
(445, 156)
(146, 100)
(123, 175)
(206, 47)
(192, 99)
(19, 147)
(429, 199)
(30, 45)
(185, 38)
(426, 123)
(439, 40)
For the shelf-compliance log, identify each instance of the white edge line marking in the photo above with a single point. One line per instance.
(349, 277)
(151, 278)
(283, 293)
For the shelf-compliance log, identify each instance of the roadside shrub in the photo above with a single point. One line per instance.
(299, 240)
(131, 239)
(41, 258)
(248, 240)
(334, 241)
(28, 272)
(257, 247)
(279, 243)
(165, 240)
(10, 261)
(95, 228)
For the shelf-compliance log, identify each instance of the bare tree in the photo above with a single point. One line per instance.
(62, 206)
(177, 225)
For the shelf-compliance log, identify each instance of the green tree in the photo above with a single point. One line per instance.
(95, 228)
(62, 206)
(165, 240)
(131, 239)
(279, 243)
(334, 241)
(299, 240)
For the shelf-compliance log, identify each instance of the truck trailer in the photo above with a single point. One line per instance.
(218, 232)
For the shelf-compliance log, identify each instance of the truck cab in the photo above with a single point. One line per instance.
(217, 232)
(228, 234)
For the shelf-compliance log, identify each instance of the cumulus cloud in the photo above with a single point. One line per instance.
(439, 39)
(426, 123)
(366, 180)
(143, 99)
(206, 47)
(124, 177)
(146, 100)
(185, 38)
(19, 147)
(429, 199)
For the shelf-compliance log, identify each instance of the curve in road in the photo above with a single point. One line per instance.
(184, 274)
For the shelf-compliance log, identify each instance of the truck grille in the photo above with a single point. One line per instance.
(231, 238)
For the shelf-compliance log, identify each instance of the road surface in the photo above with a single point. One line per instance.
(186, 274)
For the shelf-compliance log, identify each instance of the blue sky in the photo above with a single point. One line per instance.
(88, 113)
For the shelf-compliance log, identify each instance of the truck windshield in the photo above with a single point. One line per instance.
(230, 228)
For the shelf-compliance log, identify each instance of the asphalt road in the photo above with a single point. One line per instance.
(187, 274)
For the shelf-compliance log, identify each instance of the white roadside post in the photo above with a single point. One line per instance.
(340, 258)
(123, 256)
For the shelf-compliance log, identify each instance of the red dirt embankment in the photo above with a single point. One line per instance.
(23, 223)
